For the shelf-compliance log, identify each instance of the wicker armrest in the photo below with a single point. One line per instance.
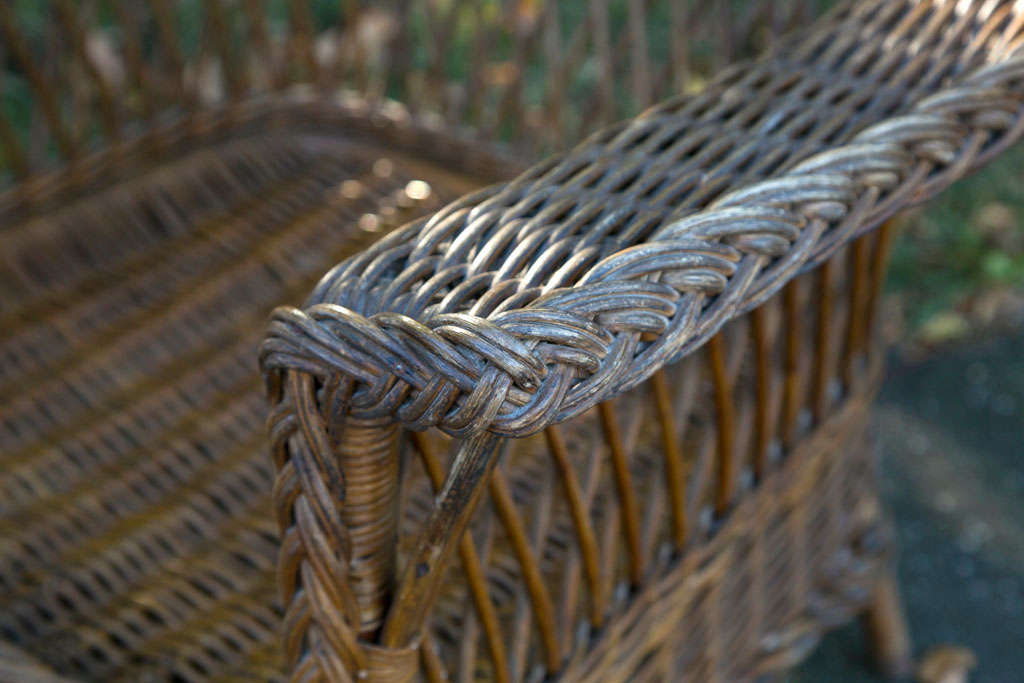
(528, 303)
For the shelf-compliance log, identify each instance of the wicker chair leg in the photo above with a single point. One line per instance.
(886, 630)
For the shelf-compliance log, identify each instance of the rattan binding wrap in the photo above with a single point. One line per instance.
(527, 304)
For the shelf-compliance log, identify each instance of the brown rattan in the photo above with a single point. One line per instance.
(100, 74)
(528, 304)
(137, 520)
(165, 200)
(636, 375)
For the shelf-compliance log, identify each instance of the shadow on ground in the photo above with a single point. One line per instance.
(951, 434)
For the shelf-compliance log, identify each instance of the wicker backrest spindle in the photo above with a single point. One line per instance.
(91, 75)
(525, 305)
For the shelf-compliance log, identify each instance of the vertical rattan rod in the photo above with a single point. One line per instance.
(75, 31)
(554, 86)
(169, 44)
(15, 45)
(857, 315)
(680, 16)
(430, 661)
(762, 378)
(540, 598)
(14, 153)
(879, 262)
(790, 395)
(581, 520)
(823, 334)
(512, 102)
(302, 37)
(259, 40)
(418, 587)
(224, 42)
(131, 48)
(726, 424)
(471, 565)
(440, 23)
(673, 457)
(478, 71)
(624, 487)
(601, 36)
(640, 68)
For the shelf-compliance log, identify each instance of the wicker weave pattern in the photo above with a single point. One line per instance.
(137, 537)
(726, 613)
(168, 197)
(528, 578)
(591, 588)
(562, 271)
(527, 304)
(193, 185)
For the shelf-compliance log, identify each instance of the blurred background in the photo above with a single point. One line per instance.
(950, 422)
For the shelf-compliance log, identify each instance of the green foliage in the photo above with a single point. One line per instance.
(969, 239)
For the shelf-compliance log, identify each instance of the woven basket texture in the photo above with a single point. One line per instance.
(602, 421)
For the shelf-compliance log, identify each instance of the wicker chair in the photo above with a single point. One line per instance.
(604, 421)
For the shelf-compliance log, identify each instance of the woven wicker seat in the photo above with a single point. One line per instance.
(136, 487)
(602, 421)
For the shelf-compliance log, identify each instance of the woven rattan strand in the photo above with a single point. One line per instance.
(530, 303)
(602, 421)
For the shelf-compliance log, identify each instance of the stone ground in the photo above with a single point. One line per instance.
(951, 433)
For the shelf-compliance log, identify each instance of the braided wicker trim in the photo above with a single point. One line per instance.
(500, 313)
